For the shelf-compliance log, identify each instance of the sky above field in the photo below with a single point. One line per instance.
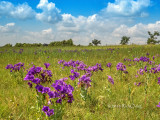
(44, 21)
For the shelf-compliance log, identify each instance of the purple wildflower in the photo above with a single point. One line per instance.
(158, 105)
(84, 81)
(121, 66)
(29, 77)
(39, 88)
(47, 110)
(46, 65)
(153, 57)
(46, 90)
(109, 65)
(110, 79)
(36, 80)
(138, 84)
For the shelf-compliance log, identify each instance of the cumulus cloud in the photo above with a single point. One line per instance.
(50, 13)
(21, 11)
(127, 7)
(10, 27)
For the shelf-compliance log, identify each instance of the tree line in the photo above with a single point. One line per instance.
(55, 43)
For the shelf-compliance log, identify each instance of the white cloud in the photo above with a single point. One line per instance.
(44, 36)
(50, 13)
(10, 27)
(127, 7)
(21, 11)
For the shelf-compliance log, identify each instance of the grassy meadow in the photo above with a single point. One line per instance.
(122, 100)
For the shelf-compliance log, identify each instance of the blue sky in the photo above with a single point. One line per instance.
(44, 21)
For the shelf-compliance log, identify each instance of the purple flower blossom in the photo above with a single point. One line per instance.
(140, 71)
(36, 80)
(10, 66)
(29, 77)
(84, 81)
(136, 59)
(62, 91)
(138, 84)
(46, 65)
(153, 57)
(158, 105)
(47, 110)
(75, 75)
(121, 67)
(39, 88)
(46, 90)
(16, 67)
(109, 65)
(144, 59)
(110, 79)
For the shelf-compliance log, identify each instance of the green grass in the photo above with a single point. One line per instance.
(121, 101)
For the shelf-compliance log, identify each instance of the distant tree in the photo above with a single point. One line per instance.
(124, 40)
(90, 44)
(96, 42)
(19, 45)
(8, 45)
(45, 44)
(153, 37)
(62, 43)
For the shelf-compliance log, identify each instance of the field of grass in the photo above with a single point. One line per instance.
(122, 100)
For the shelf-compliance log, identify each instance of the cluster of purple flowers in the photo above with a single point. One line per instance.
(75, 74)
(47, 110)
(144, 59)
(79, 65)
(37, 75)
(136, 59)
(126, 59)
(84, 80)
(15, 67)
(121, 67)
(62, 91)
(141, 71)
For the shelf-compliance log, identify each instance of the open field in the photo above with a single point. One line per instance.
(133, 96)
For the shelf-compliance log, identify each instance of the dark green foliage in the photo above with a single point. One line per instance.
(45, 44)
(8, 45)
(124, 40)
(96, 42)
(153, 37)
(28, 45)
(62, 43)
(90, 44)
